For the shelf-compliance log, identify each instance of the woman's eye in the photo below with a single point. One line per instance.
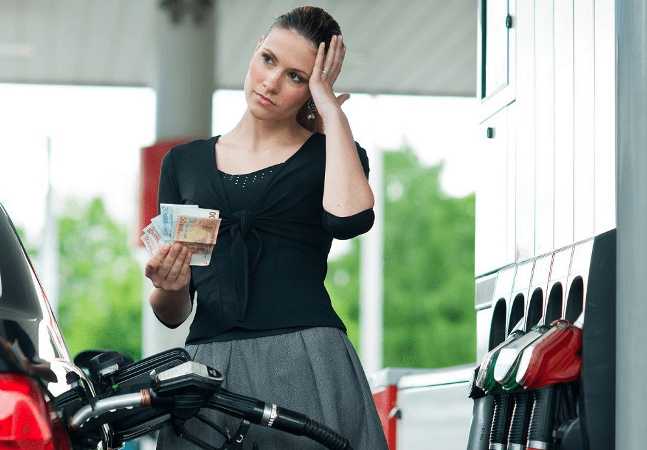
(268, 59)
(296, 78)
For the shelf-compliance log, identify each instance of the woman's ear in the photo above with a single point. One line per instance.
(260, 41)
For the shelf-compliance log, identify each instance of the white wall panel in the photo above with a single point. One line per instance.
(561, 126)
(583, 25)
(525, 136)
(605, 14)
(563, 20)
(584, 146)
(564, 97)
(492, 229)
(511, 239)
(584, 120)
(544, 126)
(605, 117)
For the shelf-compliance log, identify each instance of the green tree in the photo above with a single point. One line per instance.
(429, 316)
(100, 282)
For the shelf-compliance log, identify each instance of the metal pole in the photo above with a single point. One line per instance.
(48, 252)
(185, 64)
(185, 75)
(631, 348)
(371, 271)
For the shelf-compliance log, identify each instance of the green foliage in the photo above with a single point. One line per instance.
(100, 284)
(429, 316)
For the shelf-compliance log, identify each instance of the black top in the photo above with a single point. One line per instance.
(269, 263)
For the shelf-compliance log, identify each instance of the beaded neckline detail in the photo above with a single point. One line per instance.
(246, 179)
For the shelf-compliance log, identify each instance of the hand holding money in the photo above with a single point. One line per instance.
(169, 268)
(192, 227)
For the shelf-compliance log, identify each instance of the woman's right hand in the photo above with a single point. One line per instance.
(169, 267)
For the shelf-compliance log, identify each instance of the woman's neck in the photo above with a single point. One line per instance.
(259, 135)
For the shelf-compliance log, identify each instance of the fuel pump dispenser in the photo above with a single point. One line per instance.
(559, 370)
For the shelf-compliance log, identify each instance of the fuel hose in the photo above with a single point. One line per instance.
(261, 413)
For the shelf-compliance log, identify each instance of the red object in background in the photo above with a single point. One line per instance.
(151, 163)
(553, 360)
(26, 421)
(385, 400)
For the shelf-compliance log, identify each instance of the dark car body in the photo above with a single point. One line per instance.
(36, 368)
(103, 399)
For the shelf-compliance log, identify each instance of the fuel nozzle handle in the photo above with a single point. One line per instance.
(503, 404)
(261, 413)
(542, 420)
(518, 434)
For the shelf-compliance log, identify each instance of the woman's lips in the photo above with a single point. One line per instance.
(264, 100)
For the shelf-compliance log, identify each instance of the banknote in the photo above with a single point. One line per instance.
(149, 242)
(193, 227)
(169, 213)
(158, 223)
(154, 239)
(199, 235)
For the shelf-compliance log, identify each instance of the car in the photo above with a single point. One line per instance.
(101, 398)
(35, 364)
(49, 400)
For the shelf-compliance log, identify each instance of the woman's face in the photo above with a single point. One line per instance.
(276, 86)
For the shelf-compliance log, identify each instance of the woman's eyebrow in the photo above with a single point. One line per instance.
(293, 69)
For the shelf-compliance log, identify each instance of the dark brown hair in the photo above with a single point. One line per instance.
(317, 26)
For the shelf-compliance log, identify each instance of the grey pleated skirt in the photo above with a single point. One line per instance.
(315, 372)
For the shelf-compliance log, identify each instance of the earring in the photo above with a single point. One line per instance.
(312, 109)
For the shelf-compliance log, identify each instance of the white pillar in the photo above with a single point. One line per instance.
(185, 75)
(371, 271)
(48, 253)
(631, 347)
(185, 83)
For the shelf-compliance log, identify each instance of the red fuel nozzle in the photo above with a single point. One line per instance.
(554, 359)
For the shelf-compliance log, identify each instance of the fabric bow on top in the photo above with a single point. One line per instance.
(242, 224)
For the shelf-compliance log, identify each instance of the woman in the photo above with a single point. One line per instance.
(263, 317)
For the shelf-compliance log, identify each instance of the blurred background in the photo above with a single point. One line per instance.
(80, 99)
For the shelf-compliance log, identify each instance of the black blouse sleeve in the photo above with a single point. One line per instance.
(169, 189)
(349, 227)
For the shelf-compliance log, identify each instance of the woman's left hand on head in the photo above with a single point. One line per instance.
(324, 74)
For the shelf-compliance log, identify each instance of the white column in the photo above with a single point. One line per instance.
(48, 253)
(631, 347)
(185, 75)
(371, 271)
(185, 83)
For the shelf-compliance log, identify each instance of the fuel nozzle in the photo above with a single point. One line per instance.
(503, 401)
(186, 388)
(548, 362)
(485, 378)
(507, 363)
(554, 358)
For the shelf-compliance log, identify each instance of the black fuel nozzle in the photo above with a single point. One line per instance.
(104, 367)
(184, 389)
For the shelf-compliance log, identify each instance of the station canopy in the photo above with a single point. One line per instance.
(410, 47)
